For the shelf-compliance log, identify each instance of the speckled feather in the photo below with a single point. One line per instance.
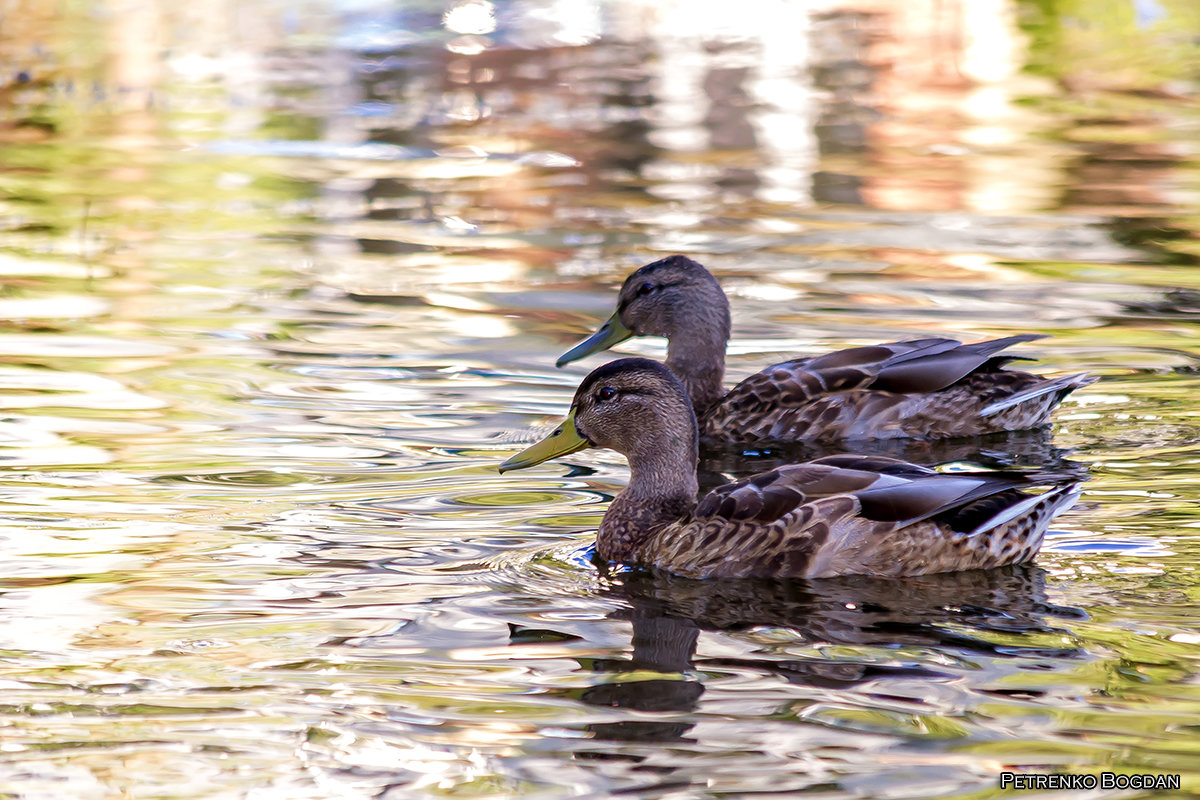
(946, 394)
(819, 519)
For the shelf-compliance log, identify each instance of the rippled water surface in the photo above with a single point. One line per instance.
(283, 283)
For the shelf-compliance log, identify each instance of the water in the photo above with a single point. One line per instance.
(283, 283)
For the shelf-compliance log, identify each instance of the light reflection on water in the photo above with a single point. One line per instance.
(276, 304)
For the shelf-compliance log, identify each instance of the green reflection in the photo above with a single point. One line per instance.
(1121, 45)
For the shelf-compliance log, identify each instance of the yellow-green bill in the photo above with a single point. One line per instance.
(564, 440)
(610, 333)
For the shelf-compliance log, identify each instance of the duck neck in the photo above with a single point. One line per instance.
(662, 489)
(696, 353)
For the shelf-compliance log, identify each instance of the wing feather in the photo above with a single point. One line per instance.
(848, 514)
(932, 387)
(935, 371)
(769, 496)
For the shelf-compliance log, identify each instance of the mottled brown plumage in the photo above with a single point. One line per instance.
(839, 515)
(922, 388)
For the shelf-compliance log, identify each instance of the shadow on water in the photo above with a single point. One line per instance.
(996, 613)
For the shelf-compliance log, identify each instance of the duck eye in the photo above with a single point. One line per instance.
(606, 393)
(646, 288)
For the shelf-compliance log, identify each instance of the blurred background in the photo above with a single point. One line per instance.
(282, 282)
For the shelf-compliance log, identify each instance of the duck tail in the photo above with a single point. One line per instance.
(1059, 386)
(1033, 513)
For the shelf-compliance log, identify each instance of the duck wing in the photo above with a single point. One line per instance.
(861, 515)
(867, 392)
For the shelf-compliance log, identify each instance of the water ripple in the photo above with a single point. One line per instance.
(277, 302)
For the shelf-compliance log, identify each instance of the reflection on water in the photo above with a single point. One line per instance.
(282, 284)
(955, 613)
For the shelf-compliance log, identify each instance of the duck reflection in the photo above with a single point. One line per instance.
(950, 611)
(664, 643)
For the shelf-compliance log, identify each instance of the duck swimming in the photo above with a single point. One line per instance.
(929, 388)
(839, 515)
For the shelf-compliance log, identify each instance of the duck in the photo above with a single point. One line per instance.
(927, 388)
(834, 516)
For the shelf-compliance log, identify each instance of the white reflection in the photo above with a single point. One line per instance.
(785, 115)
(472, 17)
(1003, 178)
(468, 45)
(52, 307)
(51, 618)
(28, 388)
(31, 444)
(682, 103)
(27, 345)
(715, 59)
(769, 292)
(11, 264)
(557, 23)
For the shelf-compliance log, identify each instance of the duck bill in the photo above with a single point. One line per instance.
(564, 440)
(610, 333)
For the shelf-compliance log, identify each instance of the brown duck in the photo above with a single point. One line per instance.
(840, 515)
(921, 388)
